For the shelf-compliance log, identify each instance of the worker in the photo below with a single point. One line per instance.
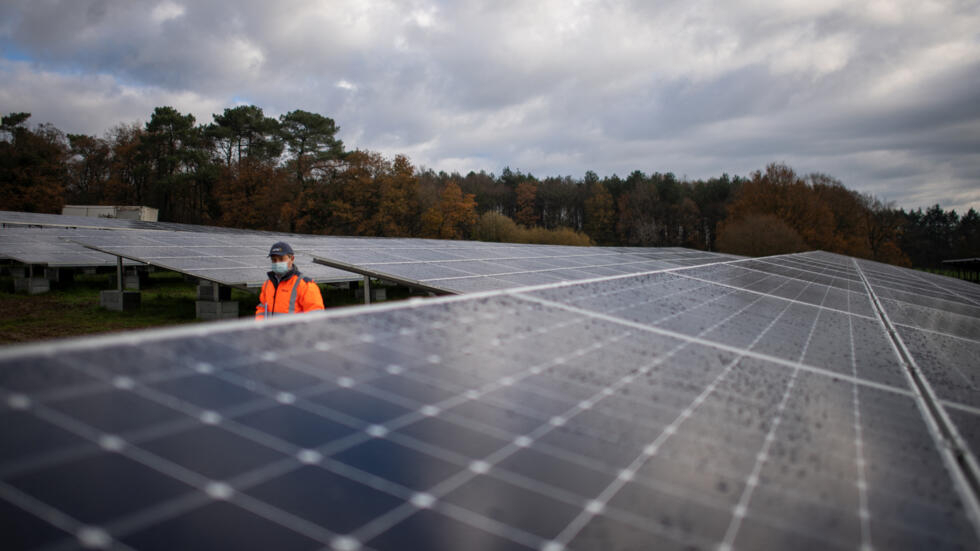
(286, 291)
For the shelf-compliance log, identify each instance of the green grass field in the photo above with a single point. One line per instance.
(73, 309)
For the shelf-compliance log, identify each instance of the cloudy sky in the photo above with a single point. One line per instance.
(881, 94)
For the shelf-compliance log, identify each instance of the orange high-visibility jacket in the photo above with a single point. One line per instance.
(292, 294)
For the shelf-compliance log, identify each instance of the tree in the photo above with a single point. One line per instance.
(712, 198)
(355, 194)
(968, 235)
(244, 134)
(452, 217)
(637, 223)
(599, 211)
(310, 140)
(526, 213)
(257, 198)
(398, 205)
(687, 217)
(882, 224)
(759, 235)
(174, 151)
(32, 166)
(561, 203)
(128, 171)
(89, 168)
(781, 193)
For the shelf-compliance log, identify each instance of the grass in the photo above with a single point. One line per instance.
(965, 275)
(167, 298)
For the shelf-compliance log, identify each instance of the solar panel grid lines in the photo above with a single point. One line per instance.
(612, 489)
(961, 463)
(383, 523)
(864, 512)
(936, 328)
(482, 271)
(30, 219)
(741, 509)
(582, 403)
(952, 290)
(228, 260)
(50, 247)
(852, 337)
(706, 342)
(742, 289)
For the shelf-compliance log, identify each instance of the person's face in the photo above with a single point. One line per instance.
(287, 258)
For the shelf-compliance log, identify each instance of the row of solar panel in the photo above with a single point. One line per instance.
(240, 259)
(748, 404)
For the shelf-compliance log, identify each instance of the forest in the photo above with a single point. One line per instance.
(292, 174)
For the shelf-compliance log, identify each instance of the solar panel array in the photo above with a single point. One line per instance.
(18, 219)
(238, 257)
(229, 259)
(52, 247)
(787, 402)
(461, 267)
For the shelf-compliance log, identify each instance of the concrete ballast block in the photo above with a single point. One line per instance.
(377, 294)
(31, 285)
(119, 301)
(213, 310)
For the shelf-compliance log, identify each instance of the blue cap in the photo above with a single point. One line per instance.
(280, 249)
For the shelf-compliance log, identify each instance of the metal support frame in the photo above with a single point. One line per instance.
(119, 274)
(367, 290)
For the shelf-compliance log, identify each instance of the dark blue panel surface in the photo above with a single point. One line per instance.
(697, 408)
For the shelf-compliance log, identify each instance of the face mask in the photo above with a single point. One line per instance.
(280, 267)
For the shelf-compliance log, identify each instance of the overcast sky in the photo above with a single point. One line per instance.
(883, 95)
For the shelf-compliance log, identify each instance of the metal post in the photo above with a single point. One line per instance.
(119, 274)
(367, 290)
(214, 291)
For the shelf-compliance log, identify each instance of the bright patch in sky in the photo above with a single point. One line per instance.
(165, 11)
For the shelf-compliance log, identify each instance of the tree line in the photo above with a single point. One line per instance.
(292, 174)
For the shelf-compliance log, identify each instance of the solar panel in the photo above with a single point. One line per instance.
(51, 247)
(937, 321)
(744, 405)
(229, 259)
(460, 267)
(18, 219)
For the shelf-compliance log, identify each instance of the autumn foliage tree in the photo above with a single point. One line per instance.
(526, 213)
(128, 171)
(779, 192)
(452, 217)
(819, 209)
(398, 204)
(759, 235)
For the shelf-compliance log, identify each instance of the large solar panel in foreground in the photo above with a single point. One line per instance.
(755, 404)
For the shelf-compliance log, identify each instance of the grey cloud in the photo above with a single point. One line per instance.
(883, 100)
